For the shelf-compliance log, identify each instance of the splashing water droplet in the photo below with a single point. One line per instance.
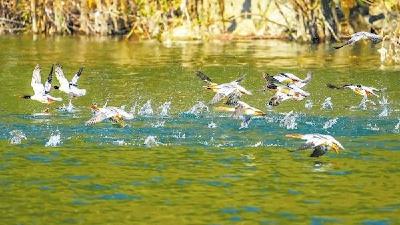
(151, 141)
(328, 124)
(308, 104)
(384, 103)
(327, 104)
(146, 109)
(289, 121)
(119, 142)
(16, 137)
(397, 127)
(165, 108)
(198, 108)
(212, 125)
(157, 124)
(54, 140)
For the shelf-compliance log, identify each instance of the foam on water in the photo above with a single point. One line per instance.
(54, 140)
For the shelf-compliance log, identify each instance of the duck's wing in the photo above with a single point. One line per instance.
(97, 118)
(233, 98)
(240, 79)
(290, 76)
(203, 77)
(61, 77)
(47, 85)
(217, 98)
(373, 37)
(278, 98)
(298, 90)
(36, 82)
(74, 81)
(240, 109)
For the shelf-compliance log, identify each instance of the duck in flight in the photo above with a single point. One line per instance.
(358, 89)
(71, 88)
(374, 38)
(319, 143)
(232, 91)
(41, 92)
(286, 86)
(241, 110)
(288, 79)
(111, 113)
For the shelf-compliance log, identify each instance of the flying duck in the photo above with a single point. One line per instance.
(232, 90)
(71, 88)
(375, 39)
(288, 79)
(41, 92)
(319, 143)
(242, 110)
(358, 89)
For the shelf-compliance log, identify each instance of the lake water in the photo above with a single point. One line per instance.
(198, 167)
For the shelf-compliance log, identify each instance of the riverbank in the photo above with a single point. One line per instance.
(298, 20)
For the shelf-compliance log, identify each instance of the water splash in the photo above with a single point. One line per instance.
(179, 135)
(372, 127)
(384, 103)
(309, 104)
(160, 123)
(132, 110)
(146, 109)
(328, 124)
(245, 122)
(151, 141)
(397, 127)
(327, 104)
(16, 137)
(69, 108)
(258, 144)
(198, 108)
(54, 140)
(119, 142)
(363, 103)
(289, 121)
(212, 125)
(165, 108)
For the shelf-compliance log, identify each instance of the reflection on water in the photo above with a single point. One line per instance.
(180, 162)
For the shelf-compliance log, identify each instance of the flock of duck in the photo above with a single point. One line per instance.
(286, 86)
